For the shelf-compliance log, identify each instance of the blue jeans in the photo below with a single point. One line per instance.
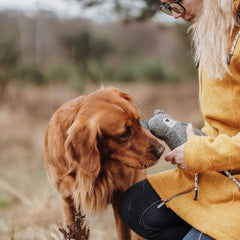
(138, 209)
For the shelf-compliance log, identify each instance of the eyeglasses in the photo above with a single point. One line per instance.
(175, 6)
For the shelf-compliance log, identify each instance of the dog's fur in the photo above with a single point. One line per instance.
(95, 148)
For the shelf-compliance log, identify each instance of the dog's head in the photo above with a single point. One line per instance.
(107, 128)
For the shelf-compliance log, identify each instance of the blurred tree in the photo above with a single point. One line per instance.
(9, 57)
(129, 10)
(85, 49)
(31, 73)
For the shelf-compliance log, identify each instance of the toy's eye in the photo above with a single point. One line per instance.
(169, 122)
(127, 133)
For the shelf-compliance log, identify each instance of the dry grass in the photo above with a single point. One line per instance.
(29, 207)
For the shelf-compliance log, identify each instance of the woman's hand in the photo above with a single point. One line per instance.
(176, 156)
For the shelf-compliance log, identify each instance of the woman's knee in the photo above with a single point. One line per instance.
(134, 202)
(162, 224)
(130, 208)
(138, 209)
(125, 208)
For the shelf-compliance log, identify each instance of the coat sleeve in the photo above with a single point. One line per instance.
(204, 153)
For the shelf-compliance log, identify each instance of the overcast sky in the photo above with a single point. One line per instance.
(64, 8)
(60, 7)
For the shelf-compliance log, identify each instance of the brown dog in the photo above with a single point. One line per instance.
(95, 148)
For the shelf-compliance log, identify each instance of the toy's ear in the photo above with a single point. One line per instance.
(81, 146)
(158, 111)
(157, 126)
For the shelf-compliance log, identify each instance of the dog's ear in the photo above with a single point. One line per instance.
(81, 146)
(124, 95)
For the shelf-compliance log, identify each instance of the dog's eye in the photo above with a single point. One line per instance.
(126, 134)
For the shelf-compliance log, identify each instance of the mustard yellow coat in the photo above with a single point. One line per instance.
(217, 209)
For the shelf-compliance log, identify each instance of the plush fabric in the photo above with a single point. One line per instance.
(216, 212)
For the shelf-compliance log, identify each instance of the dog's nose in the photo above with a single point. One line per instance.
(158, 151)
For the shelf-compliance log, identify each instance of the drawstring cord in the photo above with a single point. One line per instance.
(227, 173)
(171, 198)
(233, 48)
(196, 186)
(231, 52)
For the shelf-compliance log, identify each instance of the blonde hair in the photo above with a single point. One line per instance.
(211, 36)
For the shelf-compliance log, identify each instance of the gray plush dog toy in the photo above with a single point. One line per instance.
(173, 133)
(164, 127)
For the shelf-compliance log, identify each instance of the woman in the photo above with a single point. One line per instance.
(164, 205)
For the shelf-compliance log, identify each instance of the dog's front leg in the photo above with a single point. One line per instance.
(74, 220)
(68, 211)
